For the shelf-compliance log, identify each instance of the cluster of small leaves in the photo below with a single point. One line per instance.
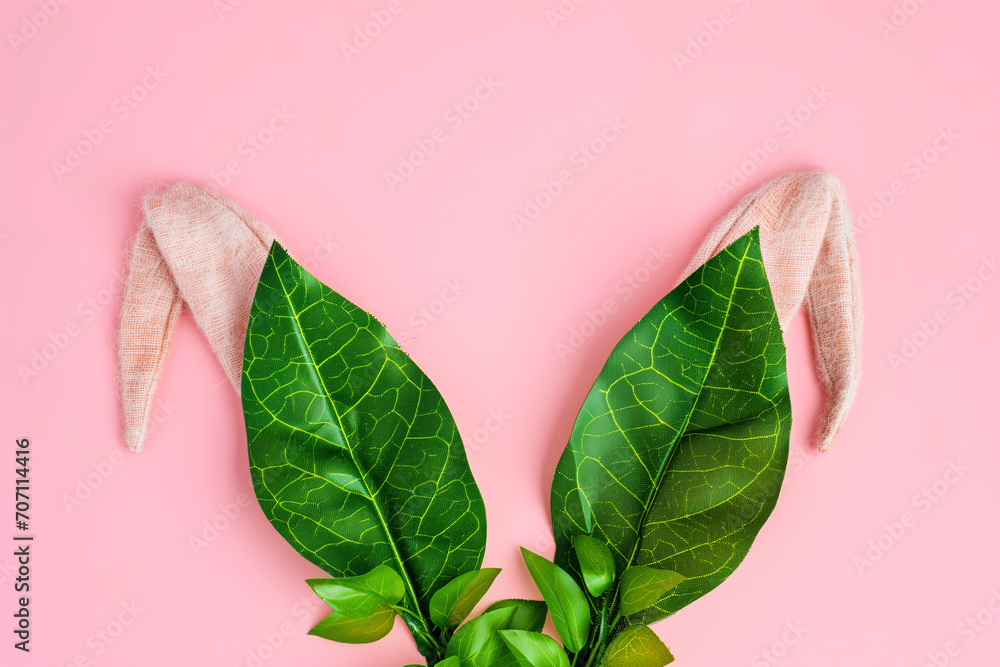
(509, 633)
(364, 607)
(588, 620)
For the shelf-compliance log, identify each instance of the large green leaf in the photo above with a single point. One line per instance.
(354, 456)
(679, 450)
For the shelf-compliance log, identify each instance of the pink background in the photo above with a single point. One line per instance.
(320, 183)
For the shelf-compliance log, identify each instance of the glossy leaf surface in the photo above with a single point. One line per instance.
(360, 596)
(478, 643)
(642, 586)
(354, 456)
(677, 456)
(637, 646)
(533, 649)
(454, 601)
(340, 628)
(597, 565)
(565, 599)
(529, 614)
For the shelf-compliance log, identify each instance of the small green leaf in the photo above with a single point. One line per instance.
(340, 628)
(359, 597)
(596, 564)
(637, 646)
(530, 614)
(642, 586)
(454, 601)
(477, 644)
(533, 649)
(565, 599)
(450, 662)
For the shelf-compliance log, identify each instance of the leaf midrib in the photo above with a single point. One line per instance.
(418, 612)
(680, 433)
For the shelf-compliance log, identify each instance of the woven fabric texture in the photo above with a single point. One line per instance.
(197, 247)
(807, 243)
(194, 247)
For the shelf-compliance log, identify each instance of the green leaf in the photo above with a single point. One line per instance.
(533, 649)
(360, 596)
(642, 586)
(347, 630)
(530, 614)
(354, 456)
(679, 450)
(565, 599)
(477, 644)
(450, 662)
(454, 601)
(597, 565)
(637, 646)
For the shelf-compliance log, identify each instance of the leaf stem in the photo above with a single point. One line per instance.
(425, 633)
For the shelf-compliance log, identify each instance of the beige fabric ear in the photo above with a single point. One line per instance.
(807, 244)
(196, 247)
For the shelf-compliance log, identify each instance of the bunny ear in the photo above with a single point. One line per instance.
(149, 313)
(807, 245)
(198, 247)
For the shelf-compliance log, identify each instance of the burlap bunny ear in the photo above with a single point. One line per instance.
(199, 248)
(807, 244)
(195, 247)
